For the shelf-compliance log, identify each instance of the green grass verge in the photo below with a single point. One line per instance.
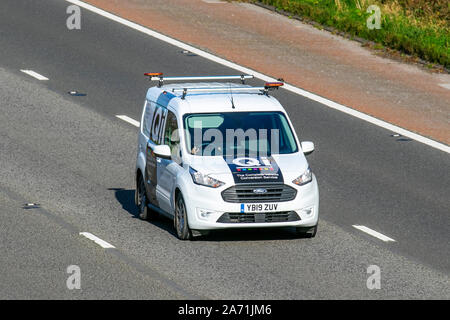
(417, 27)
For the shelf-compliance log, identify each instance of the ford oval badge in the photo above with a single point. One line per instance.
(259, 191)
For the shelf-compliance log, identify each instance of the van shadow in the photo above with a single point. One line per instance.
(126, 199)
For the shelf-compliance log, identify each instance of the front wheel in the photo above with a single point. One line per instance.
(181, 221)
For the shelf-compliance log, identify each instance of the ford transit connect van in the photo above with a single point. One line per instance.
(221, 155)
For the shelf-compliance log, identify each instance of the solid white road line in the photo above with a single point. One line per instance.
(97, 240)
(35, 75)
(374, 233)
(445, 85)
(129, 120)
(309, 95)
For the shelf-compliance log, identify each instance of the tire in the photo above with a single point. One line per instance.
(307, 232)
(145, 213)
(181, 221)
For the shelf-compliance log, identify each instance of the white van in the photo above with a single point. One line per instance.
(214, 155)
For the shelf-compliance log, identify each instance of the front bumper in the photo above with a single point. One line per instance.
(208, 211)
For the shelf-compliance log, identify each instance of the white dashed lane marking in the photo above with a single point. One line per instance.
(129, 120)
(35, 75)
(374, 233)
(97, 240)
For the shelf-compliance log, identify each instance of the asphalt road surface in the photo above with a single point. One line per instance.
(75, 158)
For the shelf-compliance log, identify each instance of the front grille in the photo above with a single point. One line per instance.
(236, 217)
(244, 193)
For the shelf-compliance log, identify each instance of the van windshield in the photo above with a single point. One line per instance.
(249, 134)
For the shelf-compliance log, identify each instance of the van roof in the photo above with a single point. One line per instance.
(215, 99)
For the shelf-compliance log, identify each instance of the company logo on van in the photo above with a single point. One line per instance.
(255, 170)
(246, 162)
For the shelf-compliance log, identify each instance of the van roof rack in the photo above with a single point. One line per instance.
(158, 76)
(261, 90)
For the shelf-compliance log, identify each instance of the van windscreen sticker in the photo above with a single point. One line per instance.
(254, 170)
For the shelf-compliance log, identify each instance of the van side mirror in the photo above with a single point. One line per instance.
(307, 147)
(162, 151)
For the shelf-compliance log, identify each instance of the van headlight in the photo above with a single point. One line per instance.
(204, 180)
(305, 178)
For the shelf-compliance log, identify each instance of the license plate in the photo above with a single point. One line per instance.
(258, 207)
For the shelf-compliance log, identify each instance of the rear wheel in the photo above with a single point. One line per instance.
(306, 232)
(145, 213)
(181, 221)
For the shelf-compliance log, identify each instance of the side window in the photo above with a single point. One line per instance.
(146, 121)
(172, 138)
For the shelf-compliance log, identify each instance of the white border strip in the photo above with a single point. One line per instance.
(309, 95)
(129, 120)
(374, 233)
(35, 75)
(97, 240)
